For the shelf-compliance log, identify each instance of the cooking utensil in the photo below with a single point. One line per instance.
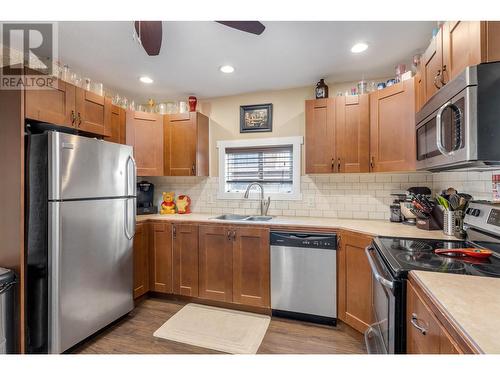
(454, 201)
(419, 214)
(443, 202)
(450, 191)
(470, 251)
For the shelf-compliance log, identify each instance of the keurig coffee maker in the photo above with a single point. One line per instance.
(145, 193)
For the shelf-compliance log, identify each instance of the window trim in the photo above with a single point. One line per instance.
(295, 142)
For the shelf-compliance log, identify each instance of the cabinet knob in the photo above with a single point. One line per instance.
(338, 165)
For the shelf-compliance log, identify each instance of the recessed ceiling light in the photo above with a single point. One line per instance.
(226, 69)
(359, 47)
(145, 79)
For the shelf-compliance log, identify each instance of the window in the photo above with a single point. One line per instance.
(274, 162)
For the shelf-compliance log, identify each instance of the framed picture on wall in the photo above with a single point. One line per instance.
(256, 118)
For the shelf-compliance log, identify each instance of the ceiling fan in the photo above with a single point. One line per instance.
(149, 33)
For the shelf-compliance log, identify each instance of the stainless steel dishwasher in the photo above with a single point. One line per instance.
(304, 276)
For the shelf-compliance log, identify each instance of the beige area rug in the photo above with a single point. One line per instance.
(228, 331)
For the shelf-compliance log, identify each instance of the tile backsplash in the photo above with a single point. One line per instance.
(357, 196)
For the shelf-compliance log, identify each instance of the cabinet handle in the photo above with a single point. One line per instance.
(234, 235)
(333, 164)
(372, 162)
(414, 323)
(438, 75)
(79, 119)
(73, 117)
(229, 235)
(338, 165)
(174, 229)
(193, 169)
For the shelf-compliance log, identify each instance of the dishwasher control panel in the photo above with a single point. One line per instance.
(307, 240)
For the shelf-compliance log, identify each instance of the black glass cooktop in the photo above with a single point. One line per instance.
(406, 254)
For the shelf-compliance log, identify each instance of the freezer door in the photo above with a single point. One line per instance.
(91, 269)
(81, 168)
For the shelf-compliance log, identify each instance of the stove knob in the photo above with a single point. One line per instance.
(468, 211)
(475, 212)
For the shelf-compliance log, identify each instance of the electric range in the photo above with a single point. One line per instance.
(392, 258)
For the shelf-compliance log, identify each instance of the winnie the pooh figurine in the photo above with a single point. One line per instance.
(183, 202)
(168, 205)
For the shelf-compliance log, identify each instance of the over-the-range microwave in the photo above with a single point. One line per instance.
(459, 127)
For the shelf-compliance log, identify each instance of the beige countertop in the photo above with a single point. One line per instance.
(369, 227)
(470, 303)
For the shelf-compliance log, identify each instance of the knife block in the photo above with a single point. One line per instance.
(433, 222)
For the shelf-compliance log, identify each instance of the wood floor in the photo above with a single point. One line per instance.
(134, 335)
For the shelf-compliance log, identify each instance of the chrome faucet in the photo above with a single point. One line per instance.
(264, 203)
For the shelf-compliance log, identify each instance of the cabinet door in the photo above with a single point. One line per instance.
(320, 136)
(144, 131)
(432, 66)
(461, 46)
(161, 262)
(419, 318)
(352, 133)
(180, 141)
(355, 281)
(116, 131)
(141, 260)
(93, 112)
(216, 263)
(185, 261)
(251, 267)
(55, 106)
(392, 128)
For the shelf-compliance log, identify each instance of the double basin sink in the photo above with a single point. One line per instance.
(235, 217)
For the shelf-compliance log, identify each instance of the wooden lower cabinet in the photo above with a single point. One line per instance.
(215, 263)
(425, 334)
(161, 257)
(141, 260)
(251, 271)
(185, 259)
(354, 281)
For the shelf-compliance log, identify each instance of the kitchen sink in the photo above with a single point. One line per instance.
(235, 217)
(258, 218)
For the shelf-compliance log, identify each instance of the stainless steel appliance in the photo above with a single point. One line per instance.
(80, 224)
(304, 276)
(392, 258)
(458, 126)
(8, 324)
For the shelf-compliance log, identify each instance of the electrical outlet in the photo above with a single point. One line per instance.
(310, 202)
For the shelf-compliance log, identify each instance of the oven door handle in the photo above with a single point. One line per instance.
(388, 284)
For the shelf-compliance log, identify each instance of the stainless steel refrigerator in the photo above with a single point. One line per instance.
(80, 223)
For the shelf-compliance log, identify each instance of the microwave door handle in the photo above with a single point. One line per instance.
(439, 130)
(388, 284)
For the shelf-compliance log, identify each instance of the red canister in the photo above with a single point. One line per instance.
(192, 103)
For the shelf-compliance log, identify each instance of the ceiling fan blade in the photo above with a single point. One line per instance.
(150, 34)
(253, 27)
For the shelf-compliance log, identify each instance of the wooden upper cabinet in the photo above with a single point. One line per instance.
(320, 136)
(144, 131)
(432, 66)
(161, 257)
(352, 133)
(185, 259)
(251, 268)
(354, 281)
(52, 105)
(115, 132)
(141, 260)
(392, 128)
(216, 263)
(186, 144)
(93, 112)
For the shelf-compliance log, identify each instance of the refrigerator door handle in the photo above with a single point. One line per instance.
(130, 178)
(127, 219)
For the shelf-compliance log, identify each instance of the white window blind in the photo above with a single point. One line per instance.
(272, 166)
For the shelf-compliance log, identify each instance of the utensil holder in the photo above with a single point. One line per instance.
(452, 222)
